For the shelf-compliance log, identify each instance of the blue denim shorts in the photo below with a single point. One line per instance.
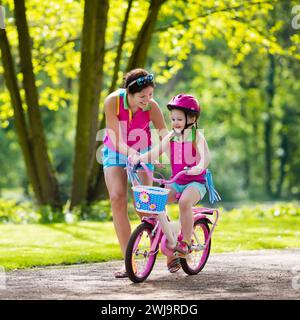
(112, 158)
(181, 187)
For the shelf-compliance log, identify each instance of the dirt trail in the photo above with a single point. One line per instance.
(265, 274)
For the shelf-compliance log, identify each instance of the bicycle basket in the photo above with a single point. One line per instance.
(150, 199)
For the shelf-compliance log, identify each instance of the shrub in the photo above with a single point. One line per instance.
(12, 212)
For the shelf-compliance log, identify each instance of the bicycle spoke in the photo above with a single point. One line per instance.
(196, 260)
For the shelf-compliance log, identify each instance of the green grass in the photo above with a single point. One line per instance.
(235, 233)
(23, 246)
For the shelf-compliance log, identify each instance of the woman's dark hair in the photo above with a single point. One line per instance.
(138, 79)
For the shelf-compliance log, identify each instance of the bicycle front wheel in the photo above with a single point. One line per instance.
(196, 260)
(139, 259)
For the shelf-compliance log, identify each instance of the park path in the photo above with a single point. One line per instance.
(263, 274)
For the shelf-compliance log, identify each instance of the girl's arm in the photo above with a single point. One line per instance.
(202, 147)
(154, 153)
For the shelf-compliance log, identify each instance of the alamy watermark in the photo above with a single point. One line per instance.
(2, 278)
(143, 139)
(296, 18)
(2, 17)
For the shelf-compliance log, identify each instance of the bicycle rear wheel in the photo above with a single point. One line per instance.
(197, 259)
(139, 259)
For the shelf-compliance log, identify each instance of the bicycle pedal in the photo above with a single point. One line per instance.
(181, 255)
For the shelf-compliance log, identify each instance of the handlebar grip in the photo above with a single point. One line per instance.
(137, 166)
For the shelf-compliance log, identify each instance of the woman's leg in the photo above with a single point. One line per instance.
(189, 197)
(116, 182)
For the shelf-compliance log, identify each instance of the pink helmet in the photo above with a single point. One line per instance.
(185, 102)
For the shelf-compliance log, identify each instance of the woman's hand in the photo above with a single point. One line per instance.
(131, 152)
(194, 171)
(135, 159)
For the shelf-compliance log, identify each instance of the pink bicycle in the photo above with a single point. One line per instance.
(157, 232)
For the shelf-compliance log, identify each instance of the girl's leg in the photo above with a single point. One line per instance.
(189, 197)
(116, 182)
(171, 195)
(171, 198)
(173, 264)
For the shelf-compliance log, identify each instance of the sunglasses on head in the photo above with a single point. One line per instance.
(142, 80)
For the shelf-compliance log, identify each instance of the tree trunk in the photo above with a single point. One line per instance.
(247, 151)
(140, 50)
(97, 187)
(47, 180)
(283, 162)
(270, 91)
(120, 46)
(246, 145)
(91, 73)
(19, 117)
(284, 145)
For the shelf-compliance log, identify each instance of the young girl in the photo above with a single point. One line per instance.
(186, 147)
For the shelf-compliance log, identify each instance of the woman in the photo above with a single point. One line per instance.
(128, 112)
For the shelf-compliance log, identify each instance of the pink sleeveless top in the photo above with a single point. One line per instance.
(184, 154)
(135, 128)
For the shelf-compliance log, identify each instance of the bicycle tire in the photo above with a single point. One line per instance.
(184, 262)
(137, 276)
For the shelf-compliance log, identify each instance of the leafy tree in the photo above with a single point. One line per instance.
(222, 53)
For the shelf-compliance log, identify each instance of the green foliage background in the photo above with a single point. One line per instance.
(218, 50)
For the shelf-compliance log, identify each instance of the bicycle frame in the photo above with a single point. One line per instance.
(157, 233)
(162, 225)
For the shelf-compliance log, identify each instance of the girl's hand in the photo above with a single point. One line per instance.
(194, 171)
(158, 164)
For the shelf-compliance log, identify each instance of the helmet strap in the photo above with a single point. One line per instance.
(187, 125)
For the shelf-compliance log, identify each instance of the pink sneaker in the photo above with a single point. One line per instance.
(183, 248)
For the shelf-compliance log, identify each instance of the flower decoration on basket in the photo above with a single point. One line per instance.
(144, 197)
(152, 206)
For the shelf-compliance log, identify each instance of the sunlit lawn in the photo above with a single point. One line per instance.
(24, 246)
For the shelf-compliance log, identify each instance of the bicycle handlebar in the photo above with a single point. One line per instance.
(162, 181)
